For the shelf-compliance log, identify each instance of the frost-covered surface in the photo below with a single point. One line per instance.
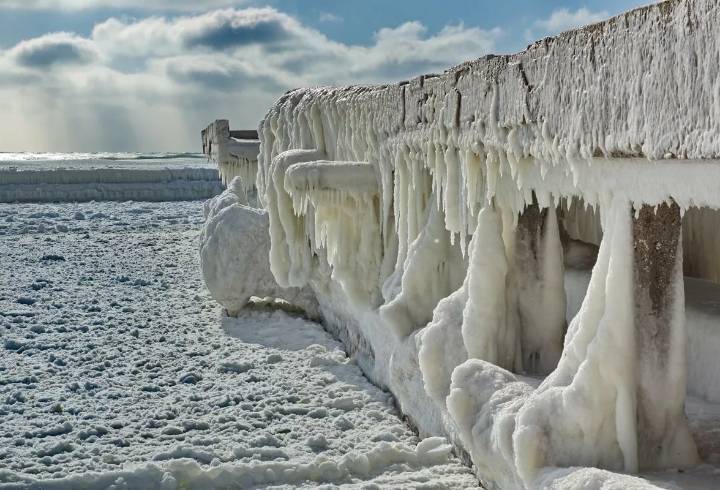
(77, 177)
(484, 174)
(116, 371)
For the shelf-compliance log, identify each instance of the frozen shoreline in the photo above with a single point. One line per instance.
(116, 371)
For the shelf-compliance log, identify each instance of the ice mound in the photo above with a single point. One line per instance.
(234, 246)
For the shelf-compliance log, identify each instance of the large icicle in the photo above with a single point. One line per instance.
(460, 325)
(485, 329)
(432, 270)
(290, 255)
(539, 279)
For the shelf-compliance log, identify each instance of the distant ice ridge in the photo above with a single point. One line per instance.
(68, 177)
(9, 157)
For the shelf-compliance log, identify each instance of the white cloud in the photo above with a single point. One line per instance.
(54, 49)
(216, 30)
(329, 17)
(129, 75)
(188, 5)
(292, 51)
(563, 19)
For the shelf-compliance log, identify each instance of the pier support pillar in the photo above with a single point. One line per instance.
(660, 337)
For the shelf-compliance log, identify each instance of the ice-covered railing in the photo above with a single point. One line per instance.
(234, 151)
(485, 176)
(343, 197)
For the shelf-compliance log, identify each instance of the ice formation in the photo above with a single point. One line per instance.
(434, 220)
(107, 184)
(233, 254)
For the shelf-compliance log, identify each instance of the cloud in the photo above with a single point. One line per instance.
(271, 39)
(407, 49)
(54, 49)
(171, 75)
(329, 17)
(222, 73)
(230, 28)
(216, 30)
(159, 5)
(563, 19)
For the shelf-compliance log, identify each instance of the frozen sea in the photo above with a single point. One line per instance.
(117, 370)
(48, 161)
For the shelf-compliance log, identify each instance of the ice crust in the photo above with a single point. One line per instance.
(445, 273)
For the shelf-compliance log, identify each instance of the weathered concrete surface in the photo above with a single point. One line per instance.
(660, 336)
(642, 84)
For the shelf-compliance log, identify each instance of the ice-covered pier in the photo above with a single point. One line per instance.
(234, 151)
(510, 246)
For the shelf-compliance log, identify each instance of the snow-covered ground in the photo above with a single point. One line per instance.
(118, 371)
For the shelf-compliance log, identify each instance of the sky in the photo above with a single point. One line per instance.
(148, 75)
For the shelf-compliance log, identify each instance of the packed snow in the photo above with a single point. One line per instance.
(118, 370)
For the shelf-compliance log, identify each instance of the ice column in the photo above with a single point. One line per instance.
(539, 275)
(433, 268)
(486, 331)
(663, 435)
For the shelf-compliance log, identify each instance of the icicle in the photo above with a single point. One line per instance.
(485, 332)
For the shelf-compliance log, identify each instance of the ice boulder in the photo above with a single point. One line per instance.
(234, 245)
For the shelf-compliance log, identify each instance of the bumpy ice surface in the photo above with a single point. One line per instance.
(116, 371)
